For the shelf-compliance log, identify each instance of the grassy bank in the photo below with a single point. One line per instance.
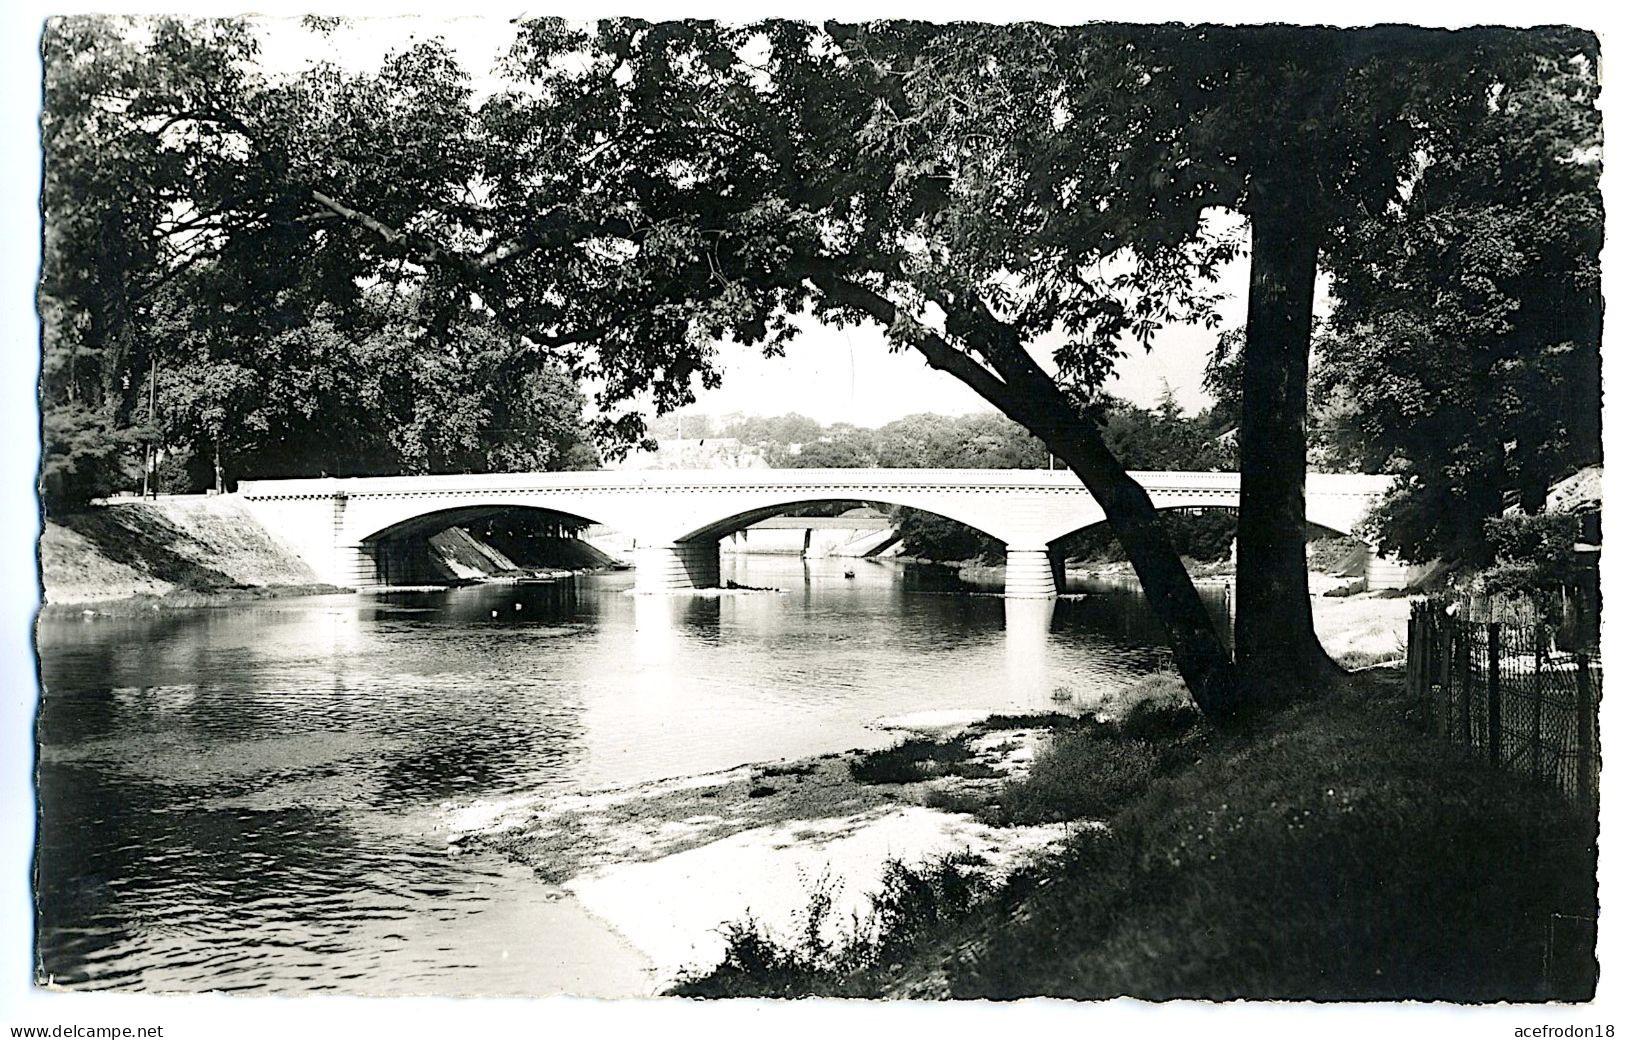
(1331, 852)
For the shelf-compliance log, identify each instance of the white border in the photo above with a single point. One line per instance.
(22, 1004)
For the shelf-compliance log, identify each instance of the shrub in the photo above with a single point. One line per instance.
(1533, 554)
(913, 760)
(914, 904)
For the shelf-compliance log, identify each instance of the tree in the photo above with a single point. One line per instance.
(652, 189)
(1465, 349)
(1164, 438)
(1306, 132)
(280, 345)
(844, 447)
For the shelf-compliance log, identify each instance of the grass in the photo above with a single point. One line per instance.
(1037, 720)
(790, 769)
(1329, 851)
(1077, 776)
(1358, 659)
(1160, 689)
(957, 800)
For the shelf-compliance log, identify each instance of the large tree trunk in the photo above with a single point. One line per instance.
(1277, 652)
(1199, 653)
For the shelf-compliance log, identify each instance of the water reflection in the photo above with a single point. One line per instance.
(1027, 645)
(251, 797)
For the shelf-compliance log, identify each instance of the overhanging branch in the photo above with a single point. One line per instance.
(938, 352)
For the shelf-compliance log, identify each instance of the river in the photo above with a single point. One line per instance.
(254, 797)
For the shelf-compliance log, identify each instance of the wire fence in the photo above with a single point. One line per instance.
(1506, 690)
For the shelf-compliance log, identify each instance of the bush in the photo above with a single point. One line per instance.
(914, 904)
(955, 800)
(913, 760)
(1533, 554)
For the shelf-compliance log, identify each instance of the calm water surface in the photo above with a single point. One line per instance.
(253, 797)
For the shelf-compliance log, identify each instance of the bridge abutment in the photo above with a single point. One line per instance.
(1028, 574)
(679, 565)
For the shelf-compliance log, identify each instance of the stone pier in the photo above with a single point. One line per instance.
(680, 565)
(1028, 573)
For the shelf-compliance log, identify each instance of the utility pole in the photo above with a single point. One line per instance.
(149, 475)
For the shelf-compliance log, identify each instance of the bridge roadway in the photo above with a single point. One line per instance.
(676, 517)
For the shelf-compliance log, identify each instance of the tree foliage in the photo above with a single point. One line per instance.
(179, 244)
(1016, 203)
(1466, 343)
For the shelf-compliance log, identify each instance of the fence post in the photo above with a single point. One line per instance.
(1536, 766)
(1464, 665)
(1493, 692)
(1447, 667)
(1584, 706)
(1410, 654)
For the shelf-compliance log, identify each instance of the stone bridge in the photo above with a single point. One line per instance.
(676, 517)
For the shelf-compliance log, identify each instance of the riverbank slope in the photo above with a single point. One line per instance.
(177, 548)
(181, 551)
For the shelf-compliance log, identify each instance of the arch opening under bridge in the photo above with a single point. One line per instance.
(475, 541)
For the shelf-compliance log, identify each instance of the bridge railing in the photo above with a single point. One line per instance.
(747, 478)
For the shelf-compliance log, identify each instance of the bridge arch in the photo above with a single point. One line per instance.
(778, 505)
(458, 516)
(464, 541)
(690, 557)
